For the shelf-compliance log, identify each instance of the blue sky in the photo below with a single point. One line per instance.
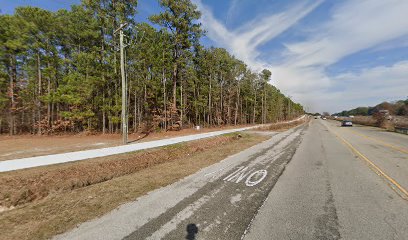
(329, 55)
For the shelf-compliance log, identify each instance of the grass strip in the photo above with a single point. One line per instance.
(64, 208)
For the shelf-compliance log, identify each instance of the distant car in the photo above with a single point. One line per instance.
(324, 118)
(346, 123)
(315, 117)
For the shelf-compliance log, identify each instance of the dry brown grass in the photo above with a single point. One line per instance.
(20, 187)
(365, 120)
(282, 126)
(69, 194)
(396, 121)
(401, 121)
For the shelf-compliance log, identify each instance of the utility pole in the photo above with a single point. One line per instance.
(124, 84)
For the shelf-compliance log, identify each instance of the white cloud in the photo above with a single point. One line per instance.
(244, 41)
(353, 26)
(366, 88)
(232, 10)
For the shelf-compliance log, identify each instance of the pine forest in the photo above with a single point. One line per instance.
(60, 73)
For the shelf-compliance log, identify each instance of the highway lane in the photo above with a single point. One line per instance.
(329, 191)
(311, 182)
(380, 136)
(386, 150)
(219, 201)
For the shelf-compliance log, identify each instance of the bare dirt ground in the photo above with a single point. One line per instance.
(13, 147)
(49, 200)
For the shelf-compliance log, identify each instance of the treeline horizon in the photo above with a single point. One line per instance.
(399, 108)
(60, 73)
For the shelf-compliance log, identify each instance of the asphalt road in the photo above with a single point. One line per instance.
(317, 181)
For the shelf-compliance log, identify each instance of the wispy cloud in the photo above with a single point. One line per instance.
(352, 89)
(352, 26)
(244, 41)
(231, 10)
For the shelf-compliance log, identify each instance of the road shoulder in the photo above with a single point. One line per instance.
(326, 192)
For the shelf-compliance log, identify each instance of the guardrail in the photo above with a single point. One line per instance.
(401, 130)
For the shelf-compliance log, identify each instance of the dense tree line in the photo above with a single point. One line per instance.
(60, 72)
(399, 108)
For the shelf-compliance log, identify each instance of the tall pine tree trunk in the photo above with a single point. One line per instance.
(103, 111)
(221, 103)
(12, 76)
(209, 104)
(229, 108)
(103, 81)
(39, 91)
(181, 105)
(175, 86)
(49, 94)
(236, 108)
(254, 110)
(262, 109)
(135, 113)
(164, 102)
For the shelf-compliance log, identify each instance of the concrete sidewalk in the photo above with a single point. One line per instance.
(22, 163)
(30, 162)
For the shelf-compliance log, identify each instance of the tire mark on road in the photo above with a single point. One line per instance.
(327, 224)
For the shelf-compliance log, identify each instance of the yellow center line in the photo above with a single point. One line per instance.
(380, 141)
(393, 183)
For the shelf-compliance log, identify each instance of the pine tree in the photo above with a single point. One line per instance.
(59, 72)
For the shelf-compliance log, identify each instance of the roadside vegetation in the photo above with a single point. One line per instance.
(60, 73)
(382, 121)
(397, 108)
(385, 115)
(282, 126)
(45, 201)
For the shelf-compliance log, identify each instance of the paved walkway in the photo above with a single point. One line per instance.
(30, 162)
